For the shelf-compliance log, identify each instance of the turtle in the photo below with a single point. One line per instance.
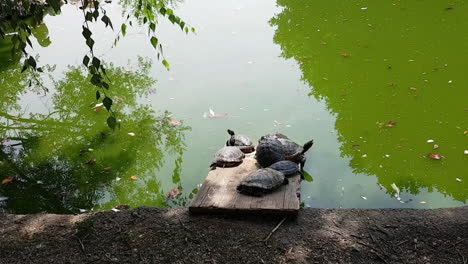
(287, 167)
(242, 142)
(262, 181)
(276, 136)
(272, 149)
(227, 157)
(269, 151)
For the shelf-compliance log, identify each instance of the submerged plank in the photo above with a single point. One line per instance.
(218, 193)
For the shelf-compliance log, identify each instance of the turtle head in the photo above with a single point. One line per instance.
(230, 132)
(307, 146)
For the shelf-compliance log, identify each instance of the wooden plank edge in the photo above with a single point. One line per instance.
(217, 210)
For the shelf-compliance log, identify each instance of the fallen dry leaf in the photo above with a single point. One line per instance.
(91, 161)
(391, 123)
(7, 180)
(107, 169)
(345, 54)
(436, 146)
(465, 132)
(435, 156)
(175, 122)
(16, 118)
(173, 193)
(134, 177)
(413, 88)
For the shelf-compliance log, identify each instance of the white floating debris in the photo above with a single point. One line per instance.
(458, 179)
(40, 182)
(430, 141)
(83, 210)
(364, 8)
(240, 108)
(131, 134)
(422, 202)
(308, 197)
(450, 81)
(115, 210)
(288, 125)
(363, 197)
(90, 150)
(402, 202)
(396, 189)
(98, 105)
(171, 98)
(250, 62)
(387, 156)
(117, 179)
(466, 152)
(266, 109)
(211, 111)
(364, 156)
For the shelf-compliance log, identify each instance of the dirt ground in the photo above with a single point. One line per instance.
(151, 235)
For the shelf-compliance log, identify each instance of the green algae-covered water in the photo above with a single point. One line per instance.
(378, 85)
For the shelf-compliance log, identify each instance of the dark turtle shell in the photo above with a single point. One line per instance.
(227, 157)
(261, 182)
(287, 167)
(275, 136)
(242, 142)
(269, 151)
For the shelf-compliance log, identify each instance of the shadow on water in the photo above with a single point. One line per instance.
(68, 159)
(393, 76)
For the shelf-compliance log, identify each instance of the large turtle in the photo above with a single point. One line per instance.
(272, 149)
(287, 167)
(269, 151)
(261, 182)
(240, 141)
(227, 157)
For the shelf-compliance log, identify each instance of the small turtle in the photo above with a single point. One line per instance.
(287, 167)
(227, 157)
(261, 182)
(269, 151)
(275, 136)
(242, 142)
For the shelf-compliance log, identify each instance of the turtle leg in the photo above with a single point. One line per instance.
(302, 162)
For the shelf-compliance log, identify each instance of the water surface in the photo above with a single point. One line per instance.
(338, 73)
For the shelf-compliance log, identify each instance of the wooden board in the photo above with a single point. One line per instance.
(218, 193)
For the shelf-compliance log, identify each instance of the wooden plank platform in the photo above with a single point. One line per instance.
(218, 193)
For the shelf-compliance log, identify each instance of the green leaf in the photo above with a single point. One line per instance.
(107, 21)
(25, 66)
(162, 11)
(96, 62)
(186, 30)
(111, 122)
(166, 64)
(107, 103)
(95, 14)
(182, 24)
(32, 62)
(193, 30)
(307, 176)
(124, 29)
(98, 95)
(172, 18)
(39, 69)
(90, 43)
(86, 33)
(89, 16)
(96, 80)
(86, 60)
(105, 85)
(152, 27)
(154, 42)
(55, 4)
(29, 42)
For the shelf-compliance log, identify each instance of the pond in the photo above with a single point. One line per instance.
(379, 86)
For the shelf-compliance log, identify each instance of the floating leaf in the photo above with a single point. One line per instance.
(435, 146)
(91, 161)
(345, 54)
(175, 122)
(166, 64)
(458, 180)
(435, 156)
(173, 193)
(307, 176)
(131, 134)
(391, 123)
(422, 202)
(430, 141)
(134, 177)
(363, 197)
(7, 180)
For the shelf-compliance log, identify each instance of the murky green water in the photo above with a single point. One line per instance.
(336, 72)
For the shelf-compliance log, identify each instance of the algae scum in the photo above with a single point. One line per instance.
(380, 87)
